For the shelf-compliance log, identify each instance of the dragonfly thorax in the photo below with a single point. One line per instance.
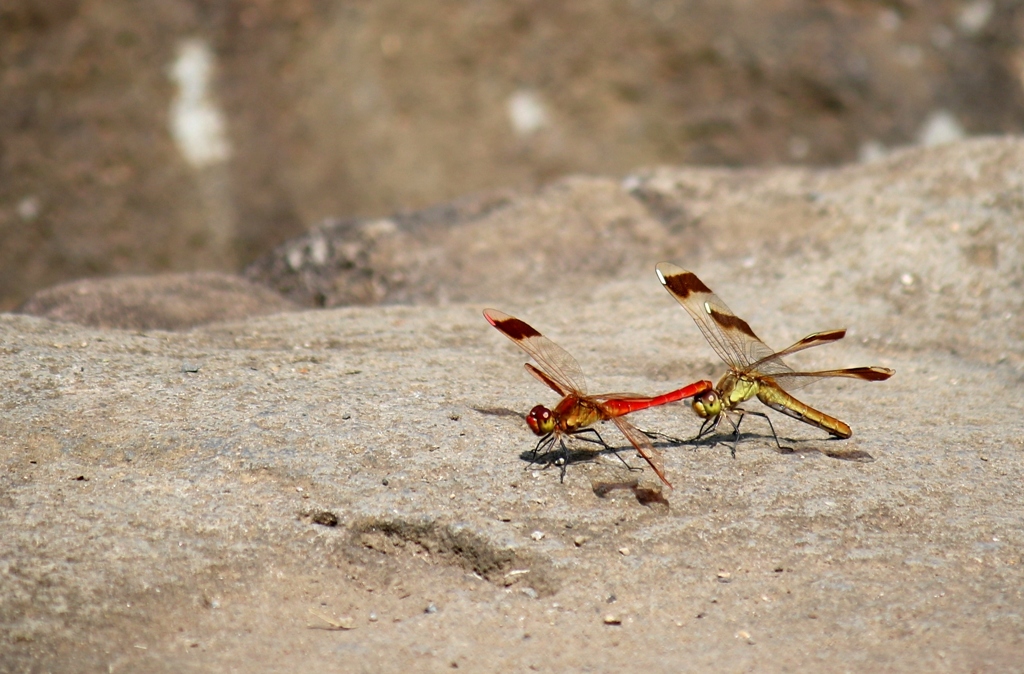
(736, 388)
(540, 420)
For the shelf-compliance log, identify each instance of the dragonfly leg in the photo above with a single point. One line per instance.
(632, 469)
(563, 460)
(543, 446)
(600, 441)
(709, 426)
(782, 448)
(736, 428)
(658, 435)
(547, 443)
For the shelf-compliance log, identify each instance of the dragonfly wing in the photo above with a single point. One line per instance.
(729, 335)
(795, 380)
(546, 380)
(774, 365)
(643, 445)
(556, 364)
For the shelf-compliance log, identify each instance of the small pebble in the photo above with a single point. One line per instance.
(611, 619)
(537, 535)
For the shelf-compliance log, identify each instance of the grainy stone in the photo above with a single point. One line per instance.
(190, 526)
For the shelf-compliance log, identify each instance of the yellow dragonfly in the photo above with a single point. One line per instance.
(754, 368)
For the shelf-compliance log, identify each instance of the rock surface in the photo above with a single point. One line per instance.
(947, 219)
(347, 490)
(188, 135)
(161, 302)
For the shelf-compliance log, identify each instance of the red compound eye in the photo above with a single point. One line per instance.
(540, 420)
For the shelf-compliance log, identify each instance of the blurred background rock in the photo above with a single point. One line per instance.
(196, 135)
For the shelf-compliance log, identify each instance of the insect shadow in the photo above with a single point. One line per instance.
(552, 450)
(708, 438)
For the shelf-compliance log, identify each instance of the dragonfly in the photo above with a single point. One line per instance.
(577, 412)
(754, 368)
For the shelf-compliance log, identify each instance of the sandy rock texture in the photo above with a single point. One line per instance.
(192, 135)
(348, 490)
(947, 218)
(161, 302)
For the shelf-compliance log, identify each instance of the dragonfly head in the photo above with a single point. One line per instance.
(707, 404)
(540, 420)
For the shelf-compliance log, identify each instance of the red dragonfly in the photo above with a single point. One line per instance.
(577, 411)
(754, 368)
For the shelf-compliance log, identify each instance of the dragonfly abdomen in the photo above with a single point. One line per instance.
(620, 405)
(780, 401)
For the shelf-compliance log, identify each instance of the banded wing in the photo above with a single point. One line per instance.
(795, 380)
(774, 365)
(816, 339)
(558, 369)
(729, 335)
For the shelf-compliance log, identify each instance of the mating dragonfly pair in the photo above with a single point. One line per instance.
(754, 370)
